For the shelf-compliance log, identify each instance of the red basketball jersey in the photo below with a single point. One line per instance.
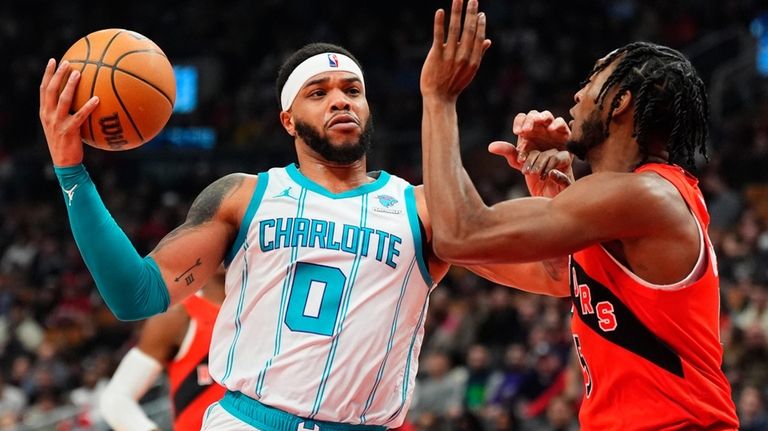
(192, 389)
(651, 355)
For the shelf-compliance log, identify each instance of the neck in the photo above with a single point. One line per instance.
(333, 177)
(619, 153)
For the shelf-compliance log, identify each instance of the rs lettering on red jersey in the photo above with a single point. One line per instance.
(607, 319)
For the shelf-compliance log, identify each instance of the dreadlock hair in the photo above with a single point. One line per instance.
(305, 52)
(669, 98)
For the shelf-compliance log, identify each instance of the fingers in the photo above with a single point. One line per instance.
(454, 28)
(65, 99)
(79, 117)
(481, 43)
(559, 126)
(535, 118)
(541, 163)
(49, 68)
(51, 91)
(466, 43)
(439, 30)
(530, 161)
(560, 178)
(506, 150)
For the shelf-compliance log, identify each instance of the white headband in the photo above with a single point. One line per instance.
(315, 65)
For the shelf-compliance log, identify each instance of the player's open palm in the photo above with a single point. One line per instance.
(547, 173)
(62, 129)
(452, 63)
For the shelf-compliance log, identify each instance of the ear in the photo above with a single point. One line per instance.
(286, 119)
(625, 104)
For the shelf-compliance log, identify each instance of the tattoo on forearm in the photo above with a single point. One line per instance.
(189, 276)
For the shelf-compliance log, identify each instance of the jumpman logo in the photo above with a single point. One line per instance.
(285, 194)
(70, 193)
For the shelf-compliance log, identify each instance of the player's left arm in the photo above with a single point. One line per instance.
(548, 277)
(160, 339)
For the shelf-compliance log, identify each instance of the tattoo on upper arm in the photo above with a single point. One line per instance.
(206, 205)
(189, 276)
(208, 202)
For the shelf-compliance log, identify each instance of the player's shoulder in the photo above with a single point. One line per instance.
(635, 192)
(632, 185)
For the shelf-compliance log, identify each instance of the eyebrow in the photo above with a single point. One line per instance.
(327, 78)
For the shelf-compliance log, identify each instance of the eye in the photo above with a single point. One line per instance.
(354, 91)
(317, 93)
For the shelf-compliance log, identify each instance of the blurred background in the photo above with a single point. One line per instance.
(493, 358)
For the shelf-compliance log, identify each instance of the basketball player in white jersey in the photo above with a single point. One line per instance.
(329, 267)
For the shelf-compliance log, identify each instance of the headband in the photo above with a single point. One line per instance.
(315, 65)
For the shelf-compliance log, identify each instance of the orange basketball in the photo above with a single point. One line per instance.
(134, 82)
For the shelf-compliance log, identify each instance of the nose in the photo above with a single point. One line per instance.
(340, 101)
(577, 96)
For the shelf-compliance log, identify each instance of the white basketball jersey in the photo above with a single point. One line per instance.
(326, 297)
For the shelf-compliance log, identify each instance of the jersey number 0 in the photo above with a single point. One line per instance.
(315, 299)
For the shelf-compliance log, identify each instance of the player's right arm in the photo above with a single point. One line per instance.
(142, 365)
(134, 287)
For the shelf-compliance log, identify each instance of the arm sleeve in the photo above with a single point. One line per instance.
(132, 287)
(119, 401)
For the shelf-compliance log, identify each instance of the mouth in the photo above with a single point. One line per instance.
(343, 122)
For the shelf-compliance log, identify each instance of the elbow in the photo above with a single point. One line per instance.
(130, 314)
(450, 249)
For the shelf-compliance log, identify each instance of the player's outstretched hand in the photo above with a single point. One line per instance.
(62, 129)
(547, 172)
(452, 63)
(539, 131)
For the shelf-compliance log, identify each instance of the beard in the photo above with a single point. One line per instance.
(592, 136)
(345, 153)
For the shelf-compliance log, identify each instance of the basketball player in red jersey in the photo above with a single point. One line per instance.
(643, 276)
(178, 339)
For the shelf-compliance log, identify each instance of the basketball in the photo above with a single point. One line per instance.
(134, 82)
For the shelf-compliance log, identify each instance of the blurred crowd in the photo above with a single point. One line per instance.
(494, 358)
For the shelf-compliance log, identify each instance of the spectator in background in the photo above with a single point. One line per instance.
(440, 393)
(480, 378)
(751, 408)
(12, 399)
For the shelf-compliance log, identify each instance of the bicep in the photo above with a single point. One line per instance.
(532, 229)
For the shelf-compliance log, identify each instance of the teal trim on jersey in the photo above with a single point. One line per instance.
(406, 376)
(340, 324)
(330, 302)
(266, 418)
(258, 195)
(296, 175)
(390, 343)
(238, 322)
(289, 272)
(413, 219)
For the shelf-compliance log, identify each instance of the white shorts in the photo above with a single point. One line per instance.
(218, 419)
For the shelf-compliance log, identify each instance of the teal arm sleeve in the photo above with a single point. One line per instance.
(132, 287)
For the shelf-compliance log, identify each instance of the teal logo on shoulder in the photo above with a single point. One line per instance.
(387, 203)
